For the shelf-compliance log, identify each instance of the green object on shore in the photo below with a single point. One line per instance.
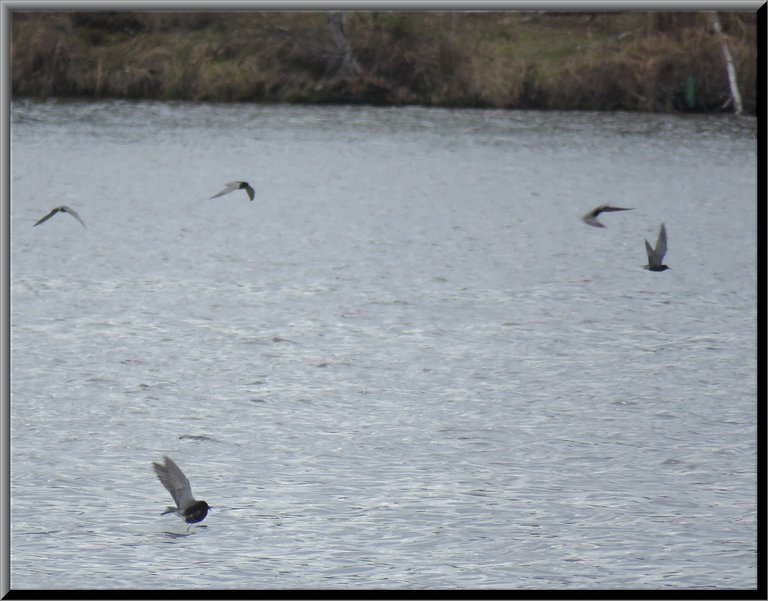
(690, 92)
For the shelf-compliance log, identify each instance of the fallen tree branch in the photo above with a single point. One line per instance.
(730, 69)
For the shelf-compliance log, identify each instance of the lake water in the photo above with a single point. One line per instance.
(406, 363)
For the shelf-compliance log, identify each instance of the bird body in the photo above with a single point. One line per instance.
(176, 483)
(232, 186)
(61, 209)
(591, 217)
(656, 255)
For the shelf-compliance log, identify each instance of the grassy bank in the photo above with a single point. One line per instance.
(599, 61)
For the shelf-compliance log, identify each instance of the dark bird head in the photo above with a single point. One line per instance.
(196, 512)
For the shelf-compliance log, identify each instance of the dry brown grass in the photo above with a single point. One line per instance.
(632, 61)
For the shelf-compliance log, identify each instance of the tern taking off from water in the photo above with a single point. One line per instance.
(176, 483)
(656, 255)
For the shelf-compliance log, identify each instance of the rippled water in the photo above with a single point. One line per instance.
(406, 363)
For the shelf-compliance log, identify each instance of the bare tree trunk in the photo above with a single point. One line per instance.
(735, 95)
(338, 24)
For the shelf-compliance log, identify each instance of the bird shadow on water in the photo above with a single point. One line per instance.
(190, 531)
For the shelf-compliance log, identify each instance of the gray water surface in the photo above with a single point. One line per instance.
(406, 363)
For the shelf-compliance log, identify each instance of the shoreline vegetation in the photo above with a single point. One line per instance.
(634, 61)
